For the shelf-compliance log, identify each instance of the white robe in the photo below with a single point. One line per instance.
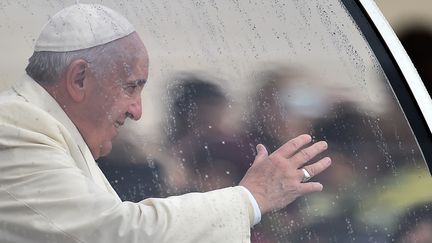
(51, 189)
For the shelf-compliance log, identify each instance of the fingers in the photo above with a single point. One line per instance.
(304, 155)
(318, 167)
(292, 146)
(314, 169)
(262, 153)
(311, 187)
(261, 150)
(276, 180)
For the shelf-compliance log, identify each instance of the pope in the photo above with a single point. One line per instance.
(82, 82)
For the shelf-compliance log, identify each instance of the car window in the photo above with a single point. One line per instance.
(227, 75)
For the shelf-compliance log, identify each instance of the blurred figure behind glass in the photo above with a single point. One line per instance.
(199, 137)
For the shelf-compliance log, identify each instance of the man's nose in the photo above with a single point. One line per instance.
(135, 108)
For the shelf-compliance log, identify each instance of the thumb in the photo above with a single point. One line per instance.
(261, 152)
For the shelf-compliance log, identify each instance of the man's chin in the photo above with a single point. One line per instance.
(103, 150)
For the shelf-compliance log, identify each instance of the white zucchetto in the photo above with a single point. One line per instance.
(82, 26)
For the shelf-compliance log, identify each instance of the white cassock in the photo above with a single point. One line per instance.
(51, 189)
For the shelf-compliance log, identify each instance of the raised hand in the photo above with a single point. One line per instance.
(277, 179)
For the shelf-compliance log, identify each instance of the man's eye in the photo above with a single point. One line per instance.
(130, 89)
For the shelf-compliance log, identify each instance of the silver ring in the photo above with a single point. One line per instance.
(306, 175)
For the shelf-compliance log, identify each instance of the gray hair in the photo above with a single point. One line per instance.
(47, 67)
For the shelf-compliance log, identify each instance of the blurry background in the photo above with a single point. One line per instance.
(403, 15)
(412, 22)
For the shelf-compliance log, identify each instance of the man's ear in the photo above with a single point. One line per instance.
(75, 76)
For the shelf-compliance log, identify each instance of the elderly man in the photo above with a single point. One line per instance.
(83, 81)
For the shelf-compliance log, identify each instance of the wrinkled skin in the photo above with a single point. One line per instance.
(115, 97)
(275, 180)
(98, 98)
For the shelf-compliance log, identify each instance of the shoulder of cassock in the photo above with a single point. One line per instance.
(45, 197)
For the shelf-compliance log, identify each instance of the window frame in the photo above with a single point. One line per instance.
(406, 83)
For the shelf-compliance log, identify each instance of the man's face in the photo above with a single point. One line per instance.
(115, 95)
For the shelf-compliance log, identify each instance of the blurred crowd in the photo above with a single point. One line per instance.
(209, 139)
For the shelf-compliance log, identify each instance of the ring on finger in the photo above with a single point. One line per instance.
(306, 175)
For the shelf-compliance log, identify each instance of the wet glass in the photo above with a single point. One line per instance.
(227, 75)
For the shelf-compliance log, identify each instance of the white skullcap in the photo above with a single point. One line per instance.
(82, 26)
